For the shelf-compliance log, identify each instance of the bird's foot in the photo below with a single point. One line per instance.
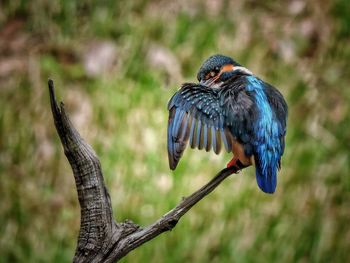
(236, 163)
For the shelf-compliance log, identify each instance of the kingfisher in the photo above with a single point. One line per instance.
(230, 108)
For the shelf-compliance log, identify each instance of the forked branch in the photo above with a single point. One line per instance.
(101, 238)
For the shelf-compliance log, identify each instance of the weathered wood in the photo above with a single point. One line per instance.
(101, 239)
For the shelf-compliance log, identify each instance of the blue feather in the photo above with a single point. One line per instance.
(184, 128)
(267, 146)
(205, 141)
(192, 133)
(198, 138)
(213, 139)
(226, 142)
(266, 179)
(177, 122)
(171, 145)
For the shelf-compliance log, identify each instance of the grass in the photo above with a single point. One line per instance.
(304, 51)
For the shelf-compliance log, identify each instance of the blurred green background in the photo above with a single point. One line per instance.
(115, 65)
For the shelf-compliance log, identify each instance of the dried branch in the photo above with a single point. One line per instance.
(101, 239)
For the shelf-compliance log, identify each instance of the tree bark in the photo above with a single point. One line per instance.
(101, 238)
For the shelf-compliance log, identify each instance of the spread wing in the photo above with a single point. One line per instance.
(205, 118)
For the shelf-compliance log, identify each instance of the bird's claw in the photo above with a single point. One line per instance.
(235, 163)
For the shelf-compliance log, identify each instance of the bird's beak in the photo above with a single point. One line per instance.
(204, 82)
(209, 82)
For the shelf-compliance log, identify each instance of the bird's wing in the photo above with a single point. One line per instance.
(204, 117)
(280, 108)
(268, 132)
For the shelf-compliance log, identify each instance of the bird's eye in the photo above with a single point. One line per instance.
(211, 74)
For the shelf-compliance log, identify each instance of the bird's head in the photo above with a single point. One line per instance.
(218, 68)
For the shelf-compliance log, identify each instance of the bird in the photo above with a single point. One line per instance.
(230, 108)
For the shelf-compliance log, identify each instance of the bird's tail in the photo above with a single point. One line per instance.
(266, 175)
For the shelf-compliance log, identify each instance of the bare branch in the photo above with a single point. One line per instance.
(170, 219)
(101, 239)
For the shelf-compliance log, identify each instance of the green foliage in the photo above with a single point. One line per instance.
(301, 48)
